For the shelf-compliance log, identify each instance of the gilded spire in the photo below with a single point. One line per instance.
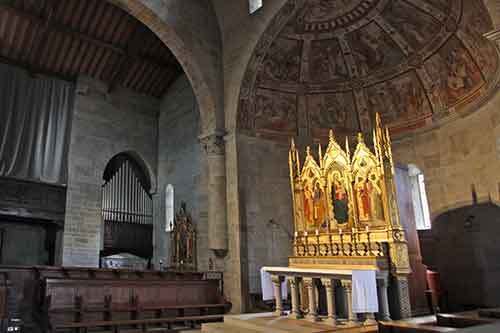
(308, 151)
(361, 139)
(293, 144)
(332, 136)
(347, 150)
(320, 154)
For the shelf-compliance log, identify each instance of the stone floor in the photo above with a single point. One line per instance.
(267, 322)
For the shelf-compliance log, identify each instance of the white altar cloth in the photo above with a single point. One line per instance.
(267, 286)
(364, 292)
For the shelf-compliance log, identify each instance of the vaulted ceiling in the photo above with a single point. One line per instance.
(85, 37)
(334, 63)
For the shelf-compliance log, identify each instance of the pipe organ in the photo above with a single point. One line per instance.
(127, 209)
(124, 198)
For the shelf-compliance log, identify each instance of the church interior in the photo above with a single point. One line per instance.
(249, 166)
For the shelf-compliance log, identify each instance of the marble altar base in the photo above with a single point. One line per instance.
(268, 322)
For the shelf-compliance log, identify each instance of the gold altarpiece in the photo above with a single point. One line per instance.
(345, 209)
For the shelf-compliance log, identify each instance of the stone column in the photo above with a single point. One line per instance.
(403, 294)
(294, 290)
(312, 315)
(370, 319)
(347, 285)
(214, 147)
(330, 300)
(384, 313)
(277, 280)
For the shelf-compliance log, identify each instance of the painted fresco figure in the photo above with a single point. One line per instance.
(339, 202)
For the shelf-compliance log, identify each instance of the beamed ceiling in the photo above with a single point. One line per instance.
(85, 37)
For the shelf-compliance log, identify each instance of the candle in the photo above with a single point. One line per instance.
(340, 231)
(305, 233)
(317, 232)
(296, 234)
(367, 228)
(353, 230)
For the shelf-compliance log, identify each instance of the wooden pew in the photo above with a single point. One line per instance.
(85, 303)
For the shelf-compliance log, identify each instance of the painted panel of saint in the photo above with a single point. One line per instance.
(375, 196)
(362, 200)
(314, 206)
(340, 202)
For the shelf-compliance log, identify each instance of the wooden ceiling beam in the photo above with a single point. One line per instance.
(51, 25)
(26, 66)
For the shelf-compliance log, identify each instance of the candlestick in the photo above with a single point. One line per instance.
(296, 234)
(367, 229)
(340, 231)
(317, 232)
(305, 233)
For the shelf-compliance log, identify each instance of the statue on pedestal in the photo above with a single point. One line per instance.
(183, 241)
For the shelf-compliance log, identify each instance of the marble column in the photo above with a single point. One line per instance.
(278, 298)
(384, 313)
(309, 283)
(370, 319)
(294, 291)
(214, 147)
(330, 300)
(351, 316)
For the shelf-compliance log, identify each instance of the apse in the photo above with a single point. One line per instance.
(334, 64)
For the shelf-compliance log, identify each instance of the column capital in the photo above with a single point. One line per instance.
(328, 282)
(293, 280)
(213, 144)
(277, 279)
(346, 284)
(308, 281)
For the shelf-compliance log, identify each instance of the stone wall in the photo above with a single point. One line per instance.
(181, 163)
(264, 192)
(456, 157)
(103, 126)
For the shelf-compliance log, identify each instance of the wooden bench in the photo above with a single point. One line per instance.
(71, 304)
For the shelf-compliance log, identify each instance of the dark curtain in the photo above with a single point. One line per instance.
(35, 120)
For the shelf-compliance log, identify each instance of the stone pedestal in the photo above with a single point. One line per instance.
(383, 300)
(403, 294)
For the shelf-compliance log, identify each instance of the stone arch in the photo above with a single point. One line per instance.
(206, 86)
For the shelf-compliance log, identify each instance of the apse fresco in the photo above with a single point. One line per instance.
(443, 5)
(282, 62)
(275, 112)
(336, 61)
(373, 49)
(336, 110)
(454, 73)
(415, 25)
(475, 25)
(327, 61)
(410, 103)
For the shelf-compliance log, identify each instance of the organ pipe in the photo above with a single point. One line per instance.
(124, 199)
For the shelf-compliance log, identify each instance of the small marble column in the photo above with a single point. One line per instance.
(384, 313)
(277, 280)
(312, 315)
(370, 319)
(294, 291)
(330, 300)
(351, 316)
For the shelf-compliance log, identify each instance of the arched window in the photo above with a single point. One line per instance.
(169, 208)
(419, 198)
(254, 5)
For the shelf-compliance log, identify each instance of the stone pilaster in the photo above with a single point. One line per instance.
(403, 294)
(214, 147)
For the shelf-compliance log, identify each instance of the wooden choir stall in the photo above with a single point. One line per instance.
(346, 223)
